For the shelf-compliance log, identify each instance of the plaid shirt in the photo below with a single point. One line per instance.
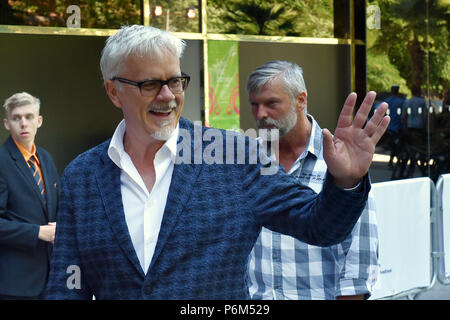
(282, 267)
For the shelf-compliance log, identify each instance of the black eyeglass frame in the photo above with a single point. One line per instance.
(184, 77)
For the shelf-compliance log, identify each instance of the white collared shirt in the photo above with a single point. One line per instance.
(143, 210)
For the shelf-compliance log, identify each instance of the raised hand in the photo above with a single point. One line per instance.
(349, 152)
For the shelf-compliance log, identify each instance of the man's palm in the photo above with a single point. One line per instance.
(349, 153)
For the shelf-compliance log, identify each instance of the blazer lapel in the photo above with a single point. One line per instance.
(49, 190)
(108, 179)
(184, 177)
(24, 170)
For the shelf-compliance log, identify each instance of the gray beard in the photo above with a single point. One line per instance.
(163, 134)
(283, 125)
(166, 127)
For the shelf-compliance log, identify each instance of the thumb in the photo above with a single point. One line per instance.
(328, 145)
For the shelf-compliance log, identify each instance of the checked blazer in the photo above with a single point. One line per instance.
(24, 259)
(212, 218)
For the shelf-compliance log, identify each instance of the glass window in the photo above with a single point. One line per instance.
(308, 18)
(408, 64)
(109, 14)
(175, 15)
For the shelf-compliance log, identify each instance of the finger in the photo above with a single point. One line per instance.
(378, 116)
(380, 112)
(381, 129)
(370, 128)
(364, 109)
(328, 144)
(346, 115)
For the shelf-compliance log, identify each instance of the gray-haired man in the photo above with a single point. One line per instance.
(282, 267)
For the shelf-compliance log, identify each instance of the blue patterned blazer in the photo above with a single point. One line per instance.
(212, 219)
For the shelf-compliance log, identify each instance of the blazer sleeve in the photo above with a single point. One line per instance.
(281, 204)
(66, 279)
(18, 234)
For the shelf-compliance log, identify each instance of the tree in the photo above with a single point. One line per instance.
(174, 17)
(305, 18)
(410, 39)
(94, 14)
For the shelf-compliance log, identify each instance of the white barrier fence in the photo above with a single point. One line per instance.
(414, 235)
(403, 215)
(443, 227)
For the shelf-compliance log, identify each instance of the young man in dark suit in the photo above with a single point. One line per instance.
(29, 185)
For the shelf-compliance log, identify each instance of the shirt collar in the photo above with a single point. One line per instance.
(315, 139)
(116, 149)
(314, 146)
(25, 153)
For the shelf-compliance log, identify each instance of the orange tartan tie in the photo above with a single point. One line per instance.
(37, 176)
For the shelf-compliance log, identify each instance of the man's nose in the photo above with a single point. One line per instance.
(260, 112)
(165, 94)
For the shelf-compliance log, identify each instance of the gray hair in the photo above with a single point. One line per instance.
(290, 73)
(138, 40)
(19, 100)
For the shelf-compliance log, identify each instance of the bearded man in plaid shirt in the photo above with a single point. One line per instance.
(282, 267)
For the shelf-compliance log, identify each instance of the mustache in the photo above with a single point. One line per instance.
(163, 108)
(266, 123)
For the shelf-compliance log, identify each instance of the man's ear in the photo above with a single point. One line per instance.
(112, 92)
(6, 124)
(301, 101)
(40, 120)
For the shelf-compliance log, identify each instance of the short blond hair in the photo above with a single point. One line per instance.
(20, 99)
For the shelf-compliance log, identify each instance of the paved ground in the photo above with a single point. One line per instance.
(437, 292)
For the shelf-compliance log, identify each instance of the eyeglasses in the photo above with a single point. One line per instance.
(150, 88)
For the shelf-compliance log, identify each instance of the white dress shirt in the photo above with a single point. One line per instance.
(143, 209)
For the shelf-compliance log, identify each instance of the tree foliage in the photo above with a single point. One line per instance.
(109, 14)
(414, 35)
(94, 14)
(307, 18)
(175, 19)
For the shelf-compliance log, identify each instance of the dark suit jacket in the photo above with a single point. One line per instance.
(211, 221)
(24, 259)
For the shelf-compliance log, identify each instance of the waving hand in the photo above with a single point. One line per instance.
(349, 152)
